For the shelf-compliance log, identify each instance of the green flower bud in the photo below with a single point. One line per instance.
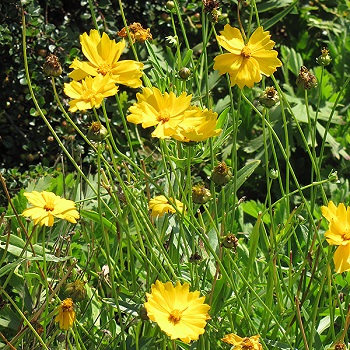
(324, 59)
(273, 174)
(269, 97)
(170, 5)
(333, 176)
(97, 132)
(221, 174)
(184, 73)
(52, 67)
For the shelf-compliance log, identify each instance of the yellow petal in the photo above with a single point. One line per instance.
(342, 258)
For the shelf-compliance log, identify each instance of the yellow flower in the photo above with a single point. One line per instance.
(246, 343)
(66, 314)
(90, 92)
(47, 206)
(103, 58)
(160, 205)
(246, 62)
(178, 312)
(137, 33)
(338, 234)
(198, 126)
(165, 111)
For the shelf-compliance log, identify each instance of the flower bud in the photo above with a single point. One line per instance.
(230, 241)
(269, 97)
(200, 194)
(52, 67)
(184, 73)
(170, 5)
(324, 59)
(333, 177)
(273, 174)
(76, 290)
(97, 132)
(305, 79)
(221, 174)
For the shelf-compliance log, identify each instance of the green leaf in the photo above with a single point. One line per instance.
(94, 216)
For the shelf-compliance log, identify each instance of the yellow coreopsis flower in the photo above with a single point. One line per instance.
(160, 205)
(246, 62)
(66, 314)
(247, 343)
(338, 233)
(178, 312)
(103, 58)
(47, 206)
(165, 111)
(198, 126)
(90, 92)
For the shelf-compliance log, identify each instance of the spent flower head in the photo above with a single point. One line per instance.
(306, 79)
(137, 33)
(47, 206)
(52, 66)
(103, 59)
(338, 233)
(269, 97)
(181, 314)
(221, 174)
(66, 314)
(245, 63)
(97, 132)
(200, 194)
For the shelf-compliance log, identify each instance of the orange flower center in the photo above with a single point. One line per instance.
(346, 235)
(246, 52)
(67, 305)
(175, 316)
(49, 207)
(104, 68)
(247, 344)
(88, 95)
(163, 115)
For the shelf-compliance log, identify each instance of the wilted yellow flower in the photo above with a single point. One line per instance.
(246, 343)
(246, 62)
(137, 33)
(338, 233)
(165, 111)
(90, 92)
(66, 314)
(103, 58)
(47, 206)
(197, 125)
(178, 312)
(160, 205)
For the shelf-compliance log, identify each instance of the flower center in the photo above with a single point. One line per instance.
(49, 207)
(175, 316)
(67, 305)
(104, 68)
(163, 115)
(88, 95)
(246, 52)
(247, 344)
(346, 235)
